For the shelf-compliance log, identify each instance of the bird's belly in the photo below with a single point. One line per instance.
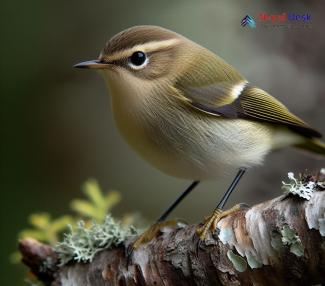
(145, 141)
(194, 148)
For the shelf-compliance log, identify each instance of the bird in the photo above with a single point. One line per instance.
(192, 115)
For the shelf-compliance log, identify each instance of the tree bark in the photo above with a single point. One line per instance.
(278, 242)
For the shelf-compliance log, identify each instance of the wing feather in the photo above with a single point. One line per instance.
(251, 103)
(256, 103)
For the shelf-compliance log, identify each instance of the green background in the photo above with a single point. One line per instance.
(56, 124)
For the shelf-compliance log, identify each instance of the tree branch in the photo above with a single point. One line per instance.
(278, 242)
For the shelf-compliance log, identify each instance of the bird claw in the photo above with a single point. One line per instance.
(146, 237)
(211, 222)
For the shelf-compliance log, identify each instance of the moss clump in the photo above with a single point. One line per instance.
(97, 203)
(94, 207)
(82, 243)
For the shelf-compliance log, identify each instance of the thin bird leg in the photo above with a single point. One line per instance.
(178, 200)
(218, 213)
(233, 185)
(153, 230)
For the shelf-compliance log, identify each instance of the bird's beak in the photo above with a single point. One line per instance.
(95, 64)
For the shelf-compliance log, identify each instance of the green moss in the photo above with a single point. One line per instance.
(97, 204)
(94, 207)
(45, 228)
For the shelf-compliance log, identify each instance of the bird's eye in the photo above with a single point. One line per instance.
(138, 60)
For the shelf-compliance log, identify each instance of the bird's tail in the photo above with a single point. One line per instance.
(313, 145)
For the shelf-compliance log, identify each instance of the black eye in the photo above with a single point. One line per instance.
(138, 58)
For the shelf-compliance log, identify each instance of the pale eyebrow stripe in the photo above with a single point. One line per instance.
(146, 48)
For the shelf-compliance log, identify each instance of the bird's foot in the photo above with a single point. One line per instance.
(210, 222)
(152, 232)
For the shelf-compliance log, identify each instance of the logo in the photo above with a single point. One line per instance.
(285, 19)
(248, 21)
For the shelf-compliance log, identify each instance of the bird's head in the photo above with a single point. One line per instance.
(141, 55)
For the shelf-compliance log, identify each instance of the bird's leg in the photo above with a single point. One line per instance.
(154, 230)
(177, 201)
(218, 213)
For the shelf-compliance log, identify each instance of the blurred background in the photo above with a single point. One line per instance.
(56, 124)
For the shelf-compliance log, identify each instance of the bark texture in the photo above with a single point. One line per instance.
(278, 242)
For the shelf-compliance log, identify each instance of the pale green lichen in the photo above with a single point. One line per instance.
(82, 243)
(297, 187)
(226, 235)
(291, 239)
(253, 262)
(94, 207)
(237, 261)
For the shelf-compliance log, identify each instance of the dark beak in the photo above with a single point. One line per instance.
(95, 64)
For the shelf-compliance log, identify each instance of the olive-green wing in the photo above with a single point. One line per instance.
(249, 102)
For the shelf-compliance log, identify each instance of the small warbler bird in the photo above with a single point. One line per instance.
(192, 115)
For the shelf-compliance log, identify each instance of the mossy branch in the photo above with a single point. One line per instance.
(277, 242)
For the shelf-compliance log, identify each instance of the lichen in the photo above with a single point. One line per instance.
(226, 235)
(82, 243)
(237, 261)
(291, 239)
(299, 188)
(253, 262)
